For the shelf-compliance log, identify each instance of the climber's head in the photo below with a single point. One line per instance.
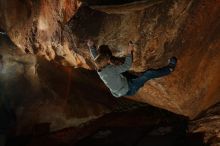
(104, 49)
(104, 56)
(102, 60)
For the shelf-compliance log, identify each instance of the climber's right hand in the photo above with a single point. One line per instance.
(130, 47)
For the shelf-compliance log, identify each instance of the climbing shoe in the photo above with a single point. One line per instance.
(172, 63)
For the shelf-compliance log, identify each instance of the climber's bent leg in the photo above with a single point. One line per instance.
(136, 84)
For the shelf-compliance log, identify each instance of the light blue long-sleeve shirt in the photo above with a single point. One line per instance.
(112, 76)
(93, 52)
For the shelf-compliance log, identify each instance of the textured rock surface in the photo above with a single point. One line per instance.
(145, 126)
(181, 28)
(38, 27)
(40, 92)
(208, 123)
(194, 86)
(188, 29)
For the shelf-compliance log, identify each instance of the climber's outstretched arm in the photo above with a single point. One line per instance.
(92, 49)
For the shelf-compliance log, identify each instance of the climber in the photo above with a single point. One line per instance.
(111, 74)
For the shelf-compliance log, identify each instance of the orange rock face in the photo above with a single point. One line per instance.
(194, 86)
(187, 29)
(38, 27)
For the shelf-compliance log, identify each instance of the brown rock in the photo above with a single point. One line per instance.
(38, 27)
(208, 123)
(187, 29)
(45, 93)
(194, 86)
(183, 29)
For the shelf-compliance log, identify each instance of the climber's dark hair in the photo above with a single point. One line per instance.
(104, 49)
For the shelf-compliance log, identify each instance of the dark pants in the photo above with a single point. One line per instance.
(137, 83)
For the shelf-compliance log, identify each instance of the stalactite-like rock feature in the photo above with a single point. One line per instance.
(38, 27)
(127, 8)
